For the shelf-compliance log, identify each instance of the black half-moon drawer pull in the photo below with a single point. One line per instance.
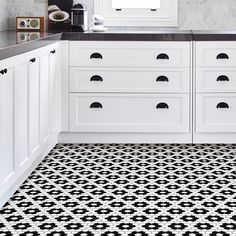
(96, 78)
(162, 105)
(162, 78)
(163, 56)
(33, 60)
(53, 52)
(96, 105)
(222, 56)
(96, 55)
(222, 105)
(223, 78)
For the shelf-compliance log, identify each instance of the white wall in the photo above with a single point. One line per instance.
(193, 14)
(3, 14)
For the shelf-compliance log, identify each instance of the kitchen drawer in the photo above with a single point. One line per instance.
(216, 80)
(217, 54)
(216, 113)
(129, 80)
(129, 113)
(128, 54)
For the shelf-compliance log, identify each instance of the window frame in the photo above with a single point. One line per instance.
(163, 17)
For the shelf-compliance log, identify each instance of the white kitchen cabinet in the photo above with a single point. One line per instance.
(34, 107)
(129, 113)
(7, 153)
(28, 92)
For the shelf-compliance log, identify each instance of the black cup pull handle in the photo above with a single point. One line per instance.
(222, 78)
(162, 78)
(53, 52)
(96, 105)
(96, 78)
(5, 71)
(163, 56)
(162, 105)
(96, 55)
(2, 72)
(222, 56)
(33, 60)
(222, 105)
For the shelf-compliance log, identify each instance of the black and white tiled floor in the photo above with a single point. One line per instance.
(127, 190)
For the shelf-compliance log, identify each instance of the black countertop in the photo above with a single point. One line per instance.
(12, 43)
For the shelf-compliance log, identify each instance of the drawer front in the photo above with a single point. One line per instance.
(216, 54)
(216, 80)
(128, 54)
(216, 113)
(129, 80)
(129, 113)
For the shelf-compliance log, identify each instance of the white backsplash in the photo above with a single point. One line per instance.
(193, 14)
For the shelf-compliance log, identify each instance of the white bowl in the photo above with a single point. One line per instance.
(66, 16)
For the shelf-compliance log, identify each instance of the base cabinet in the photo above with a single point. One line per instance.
(28, 126)
(7, 153)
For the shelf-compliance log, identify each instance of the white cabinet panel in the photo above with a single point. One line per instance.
(216, 80)
(44, 98)
(34, 107)
(129, 80)
(217, 54)
(7, 161)
(127, 54)
(129, 113)
(216, 113)
(21, 115)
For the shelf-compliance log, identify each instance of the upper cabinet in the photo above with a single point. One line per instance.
(161, 13)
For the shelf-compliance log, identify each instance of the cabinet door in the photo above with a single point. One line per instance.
(34, 107)
(44, 98)
(21, 116)
(55, 78)
(7, 164)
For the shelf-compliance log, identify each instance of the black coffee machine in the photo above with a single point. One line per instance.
(79, 18)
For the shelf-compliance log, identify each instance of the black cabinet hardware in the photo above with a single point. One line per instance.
(33, 60)
(222, 56)
(223, 78)
(96, 105)
(162, 105)
(96, 78)
(4, 71)
(96, 55)
(53, 52)
(162, 78)
(118, 9)
(153, 9)
(163, 56)
(222, 105)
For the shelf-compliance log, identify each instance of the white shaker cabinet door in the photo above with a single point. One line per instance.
(44, 98)
(21, 116)
(34, 107)
(7, 163)
(55, 78)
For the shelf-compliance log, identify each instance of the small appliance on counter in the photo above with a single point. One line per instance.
(30, 23)
(98, 24)
(79, 18)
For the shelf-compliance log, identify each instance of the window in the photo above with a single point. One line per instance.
(161, 13)
(136, 4)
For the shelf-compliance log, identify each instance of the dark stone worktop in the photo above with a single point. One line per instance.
(12, 45)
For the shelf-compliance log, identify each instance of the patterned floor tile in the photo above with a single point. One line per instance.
(127, 190)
